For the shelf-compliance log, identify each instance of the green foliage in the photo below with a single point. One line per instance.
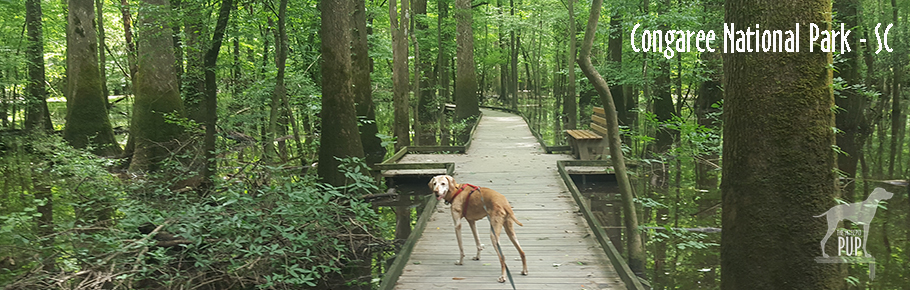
(292, 232)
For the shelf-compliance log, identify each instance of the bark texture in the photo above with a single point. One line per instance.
(37, 116)
(87, 122)
(400, 74)
(777, 155)
(156, 89)
(467, 104)
(363, 92)
(340, 136)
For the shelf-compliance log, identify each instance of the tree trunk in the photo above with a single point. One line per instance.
(466, 87)
(428, 104)
(155, 87)
(710, 94)
(87, 122)
(850, 119)
(193, 80)
(513, 61)
(36, 116)
(570, 107)
(363, 92)
(621, 99)
(444, 57)
(400, 82)
(211, 91)
(102, 57)
(897, 118)
(340, 136)
(633, 237)
(127, 20)
(777, 158)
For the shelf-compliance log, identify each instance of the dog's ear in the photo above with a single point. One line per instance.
(432, 182)
(451, 182)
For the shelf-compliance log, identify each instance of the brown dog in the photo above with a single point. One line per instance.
(474, 203)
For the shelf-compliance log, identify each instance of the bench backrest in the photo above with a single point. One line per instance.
(599, 121)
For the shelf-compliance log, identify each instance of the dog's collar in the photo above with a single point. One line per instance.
(463, 186)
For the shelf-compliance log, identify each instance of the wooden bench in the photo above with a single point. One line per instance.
(590, 144)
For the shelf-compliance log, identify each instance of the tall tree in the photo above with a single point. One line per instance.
(850, 119)
(630, 218)
(621, 96)
(363, 92)
(155, 87)
(467, 104)
(400, 82)
(570, 107)
(340, 138)
(513, 59)
(102, 57)
(87, 122)
(427, 104)
(778, 163)
(897, 117)
(195, 32)
(211, 90)
(444, 57)
(275, 110)
(37, 116)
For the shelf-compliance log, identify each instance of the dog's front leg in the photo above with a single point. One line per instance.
(476, 239)
(457, 217)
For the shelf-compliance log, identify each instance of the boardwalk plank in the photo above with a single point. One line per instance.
(561, 251)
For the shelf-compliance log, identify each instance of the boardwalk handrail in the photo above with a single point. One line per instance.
(632, 281)
(390, 278)
(436, 149)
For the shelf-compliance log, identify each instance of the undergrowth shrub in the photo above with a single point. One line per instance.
(291, 233)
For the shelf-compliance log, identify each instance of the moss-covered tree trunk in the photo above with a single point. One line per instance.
(778, 162)
(363, 91)
(400, 76)
(155, 87)
(466, 101)
(630, 218)
(87, 122)
(340, 136)
(37, 116)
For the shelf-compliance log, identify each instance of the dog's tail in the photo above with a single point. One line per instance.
(821, 215)
(512, 216)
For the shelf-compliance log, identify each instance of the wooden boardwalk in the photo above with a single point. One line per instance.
(561, 251)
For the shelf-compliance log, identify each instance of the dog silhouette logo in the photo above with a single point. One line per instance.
(860, 213)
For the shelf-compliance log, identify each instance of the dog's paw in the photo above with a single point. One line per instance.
(524, 272)
(477, 258)
(502, 279)
(459, 263)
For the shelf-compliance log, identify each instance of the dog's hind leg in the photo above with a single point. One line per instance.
(476, 239)
(510, 231)
(496, 223)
